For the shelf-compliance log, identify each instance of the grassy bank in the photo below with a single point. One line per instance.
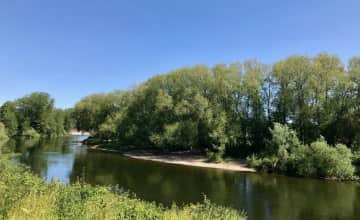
(25, 196)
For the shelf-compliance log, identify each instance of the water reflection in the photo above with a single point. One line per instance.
(262, 196)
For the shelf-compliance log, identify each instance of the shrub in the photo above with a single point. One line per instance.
(215, 157)
(287, 155)
(267, 164)
(283, 142)
(254, 161)
(321, 160)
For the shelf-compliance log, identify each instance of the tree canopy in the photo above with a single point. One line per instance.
(232, 108)
(242, 109)
(3, 135)
(33, 115)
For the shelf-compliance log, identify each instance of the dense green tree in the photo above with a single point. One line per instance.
(69, 121)
(294, 76)
(3, 134)
(90, 112)
(37, 109)
(32, 116)
(8, 118)
(284, 141)
(253, 118)
(354, 72)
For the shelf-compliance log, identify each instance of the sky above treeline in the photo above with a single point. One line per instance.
(71, 49)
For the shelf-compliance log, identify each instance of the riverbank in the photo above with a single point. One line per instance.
(26, 196)
(182, 158)
(77, 133)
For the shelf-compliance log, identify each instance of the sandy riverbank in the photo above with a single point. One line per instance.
(184, 159)
(76, 133)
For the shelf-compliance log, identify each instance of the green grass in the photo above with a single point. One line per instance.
(25, 196)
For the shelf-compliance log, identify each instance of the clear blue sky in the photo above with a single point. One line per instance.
(72, 48)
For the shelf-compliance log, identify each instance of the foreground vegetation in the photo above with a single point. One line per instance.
(25, 196)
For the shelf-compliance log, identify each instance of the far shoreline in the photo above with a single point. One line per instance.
(186, 159)
(78, 133)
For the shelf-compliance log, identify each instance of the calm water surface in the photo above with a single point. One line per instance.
(262, 196)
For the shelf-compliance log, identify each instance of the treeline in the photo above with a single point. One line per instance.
(233, 106)
(231, 109)
(33, 116)
(224, 110)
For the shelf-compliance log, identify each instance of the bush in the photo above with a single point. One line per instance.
(254, 161)
(283, 142)
(321, 160)
(267, 164)
(215, 157)
(318, 159)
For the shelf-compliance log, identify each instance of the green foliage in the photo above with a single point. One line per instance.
(3, 134)
(315, 160)
(356, 162)
(204, 211)
(69, 121)
(284, 141)
(29, 132)
(92, 111)
(321, 160)
(8, 118)
(36, 109)
(268, 163)
(230, 108)
(215, 157)
(33, 115)
(226, 110)
(25, 196)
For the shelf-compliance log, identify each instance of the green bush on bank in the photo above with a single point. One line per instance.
(321, 160)
(317, 159)
(215, 157)
(25, 196)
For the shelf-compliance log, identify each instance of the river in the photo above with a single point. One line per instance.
(262, 196)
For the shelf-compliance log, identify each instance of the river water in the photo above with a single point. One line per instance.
(262, 196)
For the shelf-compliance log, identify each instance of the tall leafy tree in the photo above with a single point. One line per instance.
(294, 76)
(8, 118)
(3, 134)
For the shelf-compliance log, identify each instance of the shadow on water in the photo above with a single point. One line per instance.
(262, 196)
